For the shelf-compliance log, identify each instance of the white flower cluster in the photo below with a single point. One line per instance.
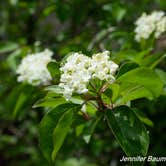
(33, 68)
(79, 69)
(101, 67)
(148, 24)
(75, 75)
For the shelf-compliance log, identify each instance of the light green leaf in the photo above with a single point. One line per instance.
(162, 75)
(135, 93)
(143, 78)
(12, 59)
(8, 47)
(153, 60)
(55, 89)
(50, 102)
(111, 93)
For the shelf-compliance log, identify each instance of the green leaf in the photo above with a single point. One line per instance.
(153, 60)
(131, 55)
(19, 99)
(115, 91)
(12, 59)
(162, 75)
(143, 78)
(53, 68)
(55, 89)
(89, 129)
(118, 12)
(61, 130)
(79, 124)
(47, 126)
(20, 102)
(8, 47)
(135, 93)
(128, 130)
(110, 94)
(142, 117)
(126, 67)
(50, 102)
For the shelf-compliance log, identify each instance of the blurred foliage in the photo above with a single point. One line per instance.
(64, 26)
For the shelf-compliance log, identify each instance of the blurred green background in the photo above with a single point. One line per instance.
(64, 26)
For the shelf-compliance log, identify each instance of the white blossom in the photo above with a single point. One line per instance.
(33, 68)
(146, 25)
(75, 75)
(103, 68)
(79, 69)
(161, 27)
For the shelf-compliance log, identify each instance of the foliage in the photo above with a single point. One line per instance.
(121, 118)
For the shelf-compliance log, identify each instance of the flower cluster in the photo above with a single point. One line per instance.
(149, 24)
(33, 68)
(75, 75)
(101, 67)
(79, 69)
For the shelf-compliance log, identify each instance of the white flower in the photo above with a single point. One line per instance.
(148, 24)
(33, 68)
(79, 69)
(103, 68)
(75, 75)
(160, 27)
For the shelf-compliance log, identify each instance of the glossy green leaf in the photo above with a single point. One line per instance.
(142, 117)
(89, 129)
(47, 126)
(143, 77)
(61, 130)
(111, 93)
(128, 130)
(50, 102)
(135, 93)
(132, 55)
(53, 68)
(79, 124)
(126, 67)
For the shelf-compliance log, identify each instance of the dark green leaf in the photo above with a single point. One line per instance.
(89, 129)
(61, 130)
(128, 130)
(143, 118)
(126, 67)
(47, 126)
(53, 68)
